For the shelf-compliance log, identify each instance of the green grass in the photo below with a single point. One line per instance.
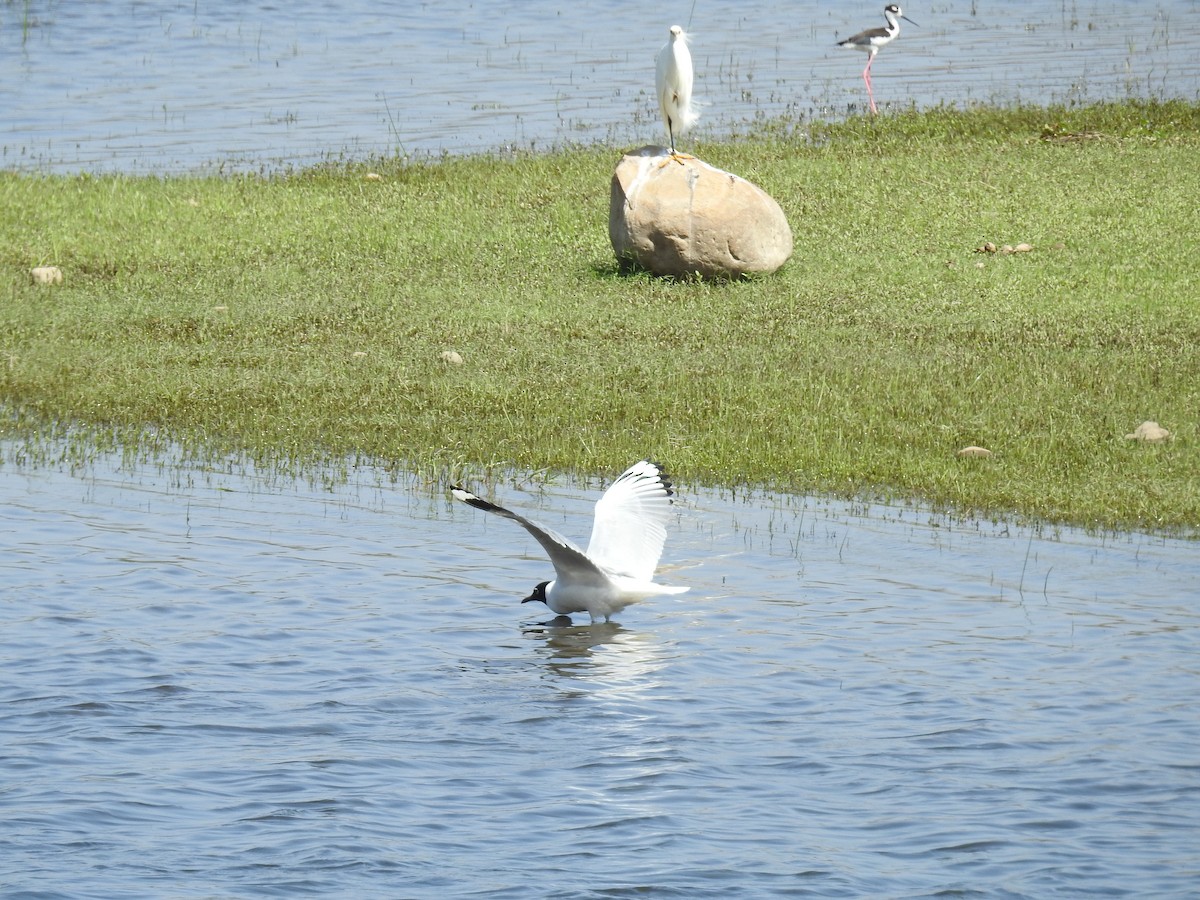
(301, 317)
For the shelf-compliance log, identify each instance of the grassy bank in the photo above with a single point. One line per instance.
(304, 316)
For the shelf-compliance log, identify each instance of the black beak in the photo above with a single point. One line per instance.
(539, 593)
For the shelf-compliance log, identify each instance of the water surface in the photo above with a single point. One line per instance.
(223, 683)
(181, 86)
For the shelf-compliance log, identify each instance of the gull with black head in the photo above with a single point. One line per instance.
(617, 569)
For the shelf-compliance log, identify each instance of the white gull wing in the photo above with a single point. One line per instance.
(571, 565)
(630, 527)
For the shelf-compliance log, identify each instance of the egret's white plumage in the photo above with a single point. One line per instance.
(627, 540)
(872, 39)
(673, 80)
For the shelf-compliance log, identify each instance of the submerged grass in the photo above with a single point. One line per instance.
(301, 317)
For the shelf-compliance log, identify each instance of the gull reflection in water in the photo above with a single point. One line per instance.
(604, 651)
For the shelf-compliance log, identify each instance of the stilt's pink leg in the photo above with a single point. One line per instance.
(867, 79)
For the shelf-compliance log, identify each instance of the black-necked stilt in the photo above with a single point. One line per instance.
(874, 38)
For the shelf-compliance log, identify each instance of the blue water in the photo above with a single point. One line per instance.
(222, 683)
(185, 86)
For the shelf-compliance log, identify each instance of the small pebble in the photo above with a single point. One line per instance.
(46, 275)
(451, 358)
(1150, 432)
(973, 452)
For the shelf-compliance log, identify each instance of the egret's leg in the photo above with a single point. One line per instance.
(673, 154)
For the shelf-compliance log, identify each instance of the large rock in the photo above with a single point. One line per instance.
(690, 218)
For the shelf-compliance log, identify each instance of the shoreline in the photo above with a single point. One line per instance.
(302, 316)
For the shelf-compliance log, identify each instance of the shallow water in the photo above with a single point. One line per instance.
(174, 86)
(220, 683)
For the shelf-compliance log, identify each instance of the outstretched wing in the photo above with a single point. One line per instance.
(630, 527)
(571, 565)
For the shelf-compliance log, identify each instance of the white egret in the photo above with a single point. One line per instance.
(673, 80)
(872, 39)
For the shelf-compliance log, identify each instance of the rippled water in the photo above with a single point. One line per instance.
(219, 683)
(176, 86)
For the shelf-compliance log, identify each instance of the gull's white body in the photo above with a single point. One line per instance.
(617, 568)
(673, 80)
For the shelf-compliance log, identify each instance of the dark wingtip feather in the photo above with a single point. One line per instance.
(662, 476)
(461, 493)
